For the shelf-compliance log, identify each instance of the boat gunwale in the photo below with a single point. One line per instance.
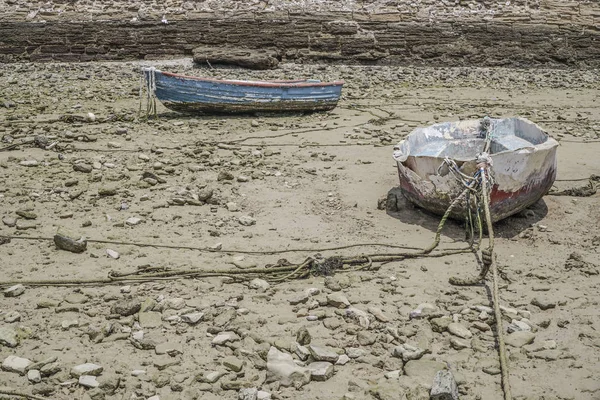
(271, 84)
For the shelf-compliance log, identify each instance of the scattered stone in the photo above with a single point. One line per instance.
(133, 221)
(338, 300)
(34, 376)
(225, 176)
(259, 284)
(165, 362)
(234, 364)
(225, 337)
(320, 370)
(355, 352)
(444, 386)
(440, 325)
(86, 369)
(281, 366)
(192, 318)
(303, 336)
(423, 310)
(458, 344)
(88, 381)
(248, 394)
(126, 307)
(107, 191)
(113, 254)
(83, 167)
(246, 58)
(323, 353)
(246, 220)
(9, 221)
(342, 360)
(459, 330)
(12, 316)
(544, 303)
(68, 241)
(27, 214)
(8, 337)
(14, 291)
(366, 338)
(378, 314)
(409, 352)
(519, 338)
(211, 377)
(16, 364)
(172, 349)
(29, 163)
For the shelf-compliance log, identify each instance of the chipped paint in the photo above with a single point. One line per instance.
(523, 155)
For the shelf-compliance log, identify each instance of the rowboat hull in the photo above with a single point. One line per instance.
(523, 165)
(202, 95)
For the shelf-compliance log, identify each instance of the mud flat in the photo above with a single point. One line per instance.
(264, 183)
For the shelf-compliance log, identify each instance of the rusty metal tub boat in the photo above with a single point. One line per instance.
(523, 164)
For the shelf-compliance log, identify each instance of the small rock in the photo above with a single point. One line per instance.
(68, 241)
(320, 370)
(8, 337)
(192, 318)
(234, 364)
(323, 353)
(303, 336)
(248, 394)
(408, 352)
(88, 381)
(342, 360)
(14, 291)
(378, 314)
(423, 310)
(9, 221)
(424, 370)
(16, 364)
(338, 300)
(133, 221)
(261, 395)
(281, 366)
(259, 284)
(113, 254)
(34, 376)
(126, 307)
(440, 325)
(444, 386)
(225, 337)
(458, 344)
(83, 167)
(225, 176)
(366, 338)
(544, 303)
(86, 369)
(246, 220)
(519, 338)
(459, 330)
(29, 163)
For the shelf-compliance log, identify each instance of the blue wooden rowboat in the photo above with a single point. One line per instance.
(192, 94)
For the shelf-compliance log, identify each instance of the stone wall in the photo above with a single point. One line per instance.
(552, 33)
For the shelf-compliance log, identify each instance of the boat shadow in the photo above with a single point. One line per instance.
(402, 209)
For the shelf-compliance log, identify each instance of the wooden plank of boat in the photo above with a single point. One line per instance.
(193, 94)
(523, 157)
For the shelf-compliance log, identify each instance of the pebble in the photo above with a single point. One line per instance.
(9, 221)
(225, 337)
(86, 369)
(338, 300)
(12, 316)
(83, 167)
(34, 376)
(281, 366)
(459, 330)
(14, 291)
(234, 364)
(342, 360)
(320, 353)
(69, 241)
(519, 338)
(303, 336)
(88, 381)
(246, 220)
(320, 370)
(150, 319)
(409, 352)
(126, 307)
(133, 221)
(29, 163)
(16, 364)
(248, 394)
(458, 344)
(192, 318)
(444, 386)
(113, 254)
(259, 284)
(544, 303)
(423, 310)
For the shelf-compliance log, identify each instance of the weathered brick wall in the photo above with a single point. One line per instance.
(554, 33)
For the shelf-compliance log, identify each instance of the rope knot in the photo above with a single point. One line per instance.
(486, 256)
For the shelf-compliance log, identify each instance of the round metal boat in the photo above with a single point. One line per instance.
(523, 163)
